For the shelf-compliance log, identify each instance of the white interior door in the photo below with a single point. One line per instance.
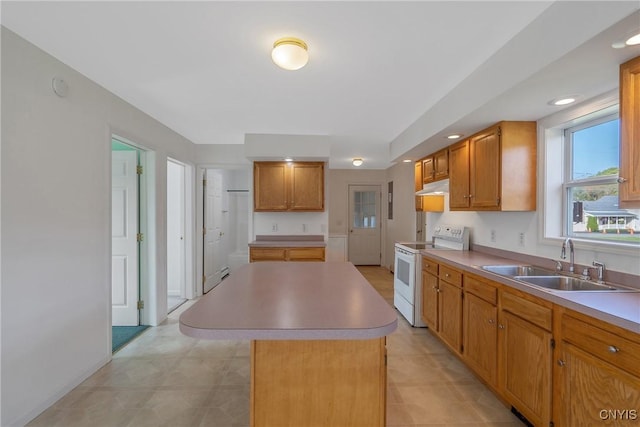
(212, 260)
(175, 229)
(124, 233)
(364, 224)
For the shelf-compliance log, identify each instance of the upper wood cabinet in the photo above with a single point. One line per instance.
(630, 133)
(435, 166)
(495, 169)
(418, 184)
(281, 186)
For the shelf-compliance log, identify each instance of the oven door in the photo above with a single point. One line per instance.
(404, 278)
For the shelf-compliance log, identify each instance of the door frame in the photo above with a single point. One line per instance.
(382, 218)
(199, 209)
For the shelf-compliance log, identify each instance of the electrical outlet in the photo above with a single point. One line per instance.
(521, 239)
(493, 236)
(274, 227)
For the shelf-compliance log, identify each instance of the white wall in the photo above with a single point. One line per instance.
(56, 240)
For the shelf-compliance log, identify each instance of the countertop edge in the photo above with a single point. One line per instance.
(290, 334)
(550, 296)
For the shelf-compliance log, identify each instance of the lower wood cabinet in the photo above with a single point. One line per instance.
(553, 365)
(597, 375)
(286, 254)
(323, 383)
(480, 329)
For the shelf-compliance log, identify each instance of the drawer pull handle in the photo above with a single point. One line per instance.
(561, 362)
(613, 349)
(447, 275)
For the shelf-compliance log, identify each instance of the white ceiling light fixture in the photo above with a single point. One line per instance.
(290, 53)
(633, 40)
(454, 136)
(407, 161)
(357, 161)
(564, 100)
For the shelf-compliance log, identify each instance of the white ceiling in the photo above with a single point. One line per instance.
(385, 80)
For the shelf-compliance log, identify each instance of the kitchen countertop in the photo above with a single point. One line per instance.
(618, 308)
(284, 241)
(293, 301)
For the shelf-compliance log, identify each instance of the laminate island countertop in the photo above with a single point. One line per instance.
(295, 301)
(318, 341)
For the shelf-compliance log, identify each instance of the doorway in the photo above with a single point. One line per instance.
(125, 234)
(365, 224)
(176, 234)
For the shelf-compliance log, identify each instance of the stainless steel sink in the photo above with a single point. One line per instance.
(551, 280)
(565, 283)
(518, 270)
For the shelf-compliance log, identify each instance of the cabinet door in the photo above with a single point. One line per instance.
(450, 314)
(305, 254)
(484, 170)
(417, 174)
(525, 368)
(441, 164)
(430, 300)
(428, 169)
(307, 187)
(630, 133)
(269, 186)
(481, 337)
(593, 392)
(267, 254)
(459, 175)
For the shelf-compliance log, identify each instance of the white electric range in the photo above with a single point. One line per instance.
(407, 292)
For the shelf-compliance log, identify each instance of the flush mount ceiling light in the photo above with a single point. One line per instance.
(454, 136)
(407, 161)
(288, 159)
(357, 161)
(290, 53)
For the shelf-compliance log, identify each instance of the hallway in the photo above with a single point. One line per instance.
(164, 378)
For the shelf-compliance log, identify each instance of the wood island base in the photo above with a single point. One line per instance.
(317, 383)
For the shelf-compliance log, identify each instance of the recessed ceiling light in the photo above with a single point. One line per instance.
(290, 53)
(407, 161)
(288, 159)
(633, 40)
(454, 136)
(357, 161)
(564, 100)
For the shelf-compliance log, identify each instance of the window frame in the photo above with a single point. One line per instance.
(552, 217)
(569, 183)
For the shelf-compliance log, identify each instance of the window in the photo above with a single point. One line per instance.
(590, 187)
(364, 215)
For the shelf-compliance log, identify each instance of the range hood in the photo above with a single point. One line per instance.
(434, 188)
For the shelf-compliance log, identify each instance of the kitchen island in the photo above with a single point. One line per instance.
(317, 331)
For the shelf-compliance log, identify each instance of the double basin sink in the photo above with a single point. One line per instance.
(549, 279)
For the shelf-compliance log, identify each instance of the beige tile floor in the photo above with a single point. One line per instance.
(164, 378)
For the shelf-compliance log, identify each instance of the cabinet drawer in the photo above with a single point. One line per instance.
(450, 275)
(267, 254)
(607, 346)
(527, 310)
(430, 266)
(306, 254)
(481, 289)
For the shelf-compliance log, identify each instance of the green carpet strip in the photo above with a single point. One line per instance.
(121, 335)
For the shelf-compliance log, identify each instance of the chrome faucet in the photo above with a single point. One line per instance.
(563, 254)
(600, 268)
